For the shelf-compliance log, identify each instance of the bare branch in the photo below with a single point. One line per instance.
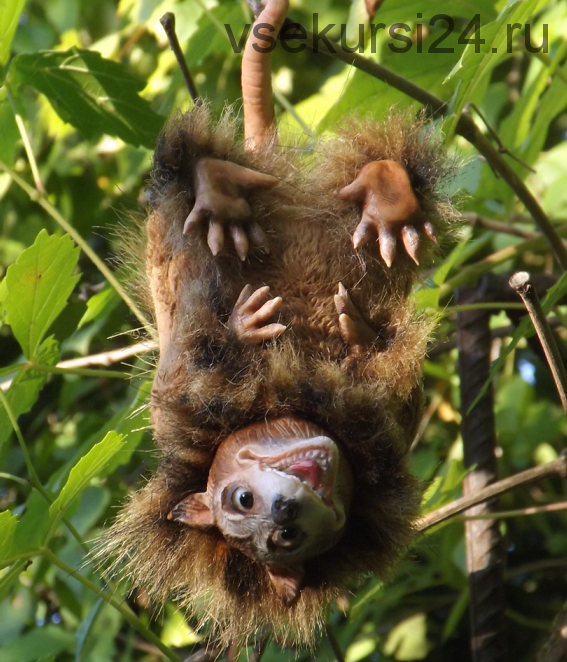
(521, 282)
(168, 23)
(556, 468)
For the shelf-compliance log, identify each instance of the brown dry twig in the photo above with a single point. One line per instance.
(557, 467)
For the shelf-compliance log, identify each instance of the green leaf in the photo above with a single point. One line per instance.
(27, 384)
(85, 627)
(473, 69)
(9, 134)
(32, 528)
(37, 644)
(93, 94)
(373, 98)
(10, 12)
(211, 35)
(38, 285)
(83, 472)
(100, 305)
(407, 10)
(8, 523)
(408, 639)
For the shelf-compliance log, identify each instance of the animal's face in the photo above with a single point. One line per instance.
(280, 503)
(280, 495)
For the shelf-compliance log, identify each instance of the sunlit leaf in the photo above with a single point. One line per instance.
(100, 305)
(474, 68)
(84, 471)
(8, 523)
(26, 385)
(408, 640)
(9, 134)
(10, 12)
(38, 285)
(93, 94)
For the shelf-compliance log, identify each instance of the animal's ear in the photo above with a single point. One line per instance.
(196, 510)
(287, 582)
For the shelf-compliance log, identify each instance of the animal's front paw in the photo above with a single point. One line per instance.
(354, 330)
(221, 190)
(390, 209)
(250, 314)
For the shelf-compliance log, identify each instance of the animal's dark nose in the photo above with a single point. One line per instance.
(284, 510)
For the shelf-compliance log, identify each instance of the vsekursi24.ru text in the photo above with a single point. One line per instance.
(400, 33)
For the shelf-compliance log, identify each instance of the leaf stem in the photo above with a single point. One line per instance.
(27, 145)
(34, 478)
(556, 467)
(43, 202)
(521, 282)
(119, 605)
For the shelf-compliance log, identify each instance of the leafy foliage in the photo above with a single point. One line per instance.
(84, 90)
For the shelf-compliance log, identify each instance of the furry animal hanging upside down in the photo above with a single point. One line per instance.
(288, 386)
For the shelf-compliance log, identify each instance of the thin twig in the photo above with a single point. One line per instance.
(521, 282)
(110, 357)
(501, 146)
(43, 202)
(27, 145)
(168, 23)
(521, 512)
(556, 467)
(118, 604)
(476, 220)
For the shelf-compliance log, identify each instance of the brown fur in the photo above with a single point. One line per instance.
(208, 384)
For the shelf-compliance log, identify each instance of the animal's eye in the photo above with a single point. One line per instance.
(288, 536)
(289, 533)
(242, 499)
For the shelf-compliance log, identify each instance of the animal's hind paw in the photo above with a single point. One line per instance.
(221, 190)
(251, 312)
(356, 333)
(390, 209)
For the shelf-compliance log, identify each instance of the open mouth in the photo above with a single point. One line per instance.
(313, 462)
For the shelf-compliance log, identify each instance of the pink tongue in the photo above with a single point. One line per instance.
(309, 471)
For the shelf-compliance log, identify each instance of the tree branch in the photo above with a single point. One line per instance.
(556, 468)
(521, 282)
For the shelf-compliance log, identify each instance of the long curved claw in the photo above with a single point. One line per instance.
(194, 220)
(364, 232)
(215, 237)
(251, 311)
(354, 330)
(390, 209)
(430, 231)
(410, 239)
(257, 236)
(240, 241)
(221, 190)
(387, 242)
